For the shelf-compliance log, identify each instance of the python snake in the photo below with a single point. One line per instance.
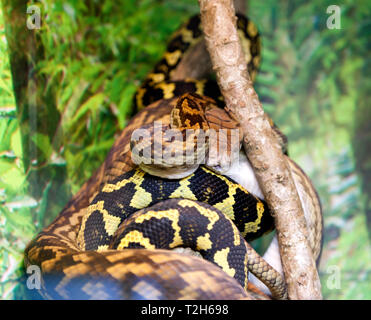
(94, 248)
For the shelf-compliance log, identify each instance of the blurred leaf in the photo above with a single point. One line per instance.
(15, 143)
(92, 104)
(43, 143)
(12, 179)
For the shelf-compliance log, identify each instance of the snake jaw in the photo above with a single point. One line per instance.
(178, 172)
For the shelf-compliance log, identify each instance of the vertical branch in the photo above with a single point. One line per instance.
(196, 62)
(264, 153)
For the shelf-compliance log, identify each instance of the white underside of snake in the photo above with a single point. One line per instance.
(242, 172)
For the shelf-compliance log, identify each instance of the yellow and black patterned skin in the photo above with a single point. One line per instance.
(184, 223)
(94, 248)
(137, 189)
(158, 84)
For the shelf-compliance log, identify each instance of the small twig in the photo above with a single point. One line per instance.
(264, 153)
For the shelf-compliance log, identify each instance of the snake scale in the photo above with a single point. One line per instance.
(112, 238)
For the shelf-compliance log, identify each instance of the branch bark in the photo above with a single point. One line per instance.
(196, 62)
(261, 147)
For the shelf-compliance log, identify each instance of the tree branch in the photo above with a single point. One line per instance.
(261, 147)
(196, 62)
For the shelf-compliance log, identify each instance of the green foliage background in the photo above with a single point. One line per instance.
(95, 54)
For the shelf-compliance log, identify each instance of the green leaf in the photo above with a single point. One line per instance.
(92, 104)
(15, 143)
(12, 179)
(43, 143)
(125, 104)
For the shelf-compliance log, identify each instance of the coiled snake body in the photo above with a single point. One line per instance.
(109, 241)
